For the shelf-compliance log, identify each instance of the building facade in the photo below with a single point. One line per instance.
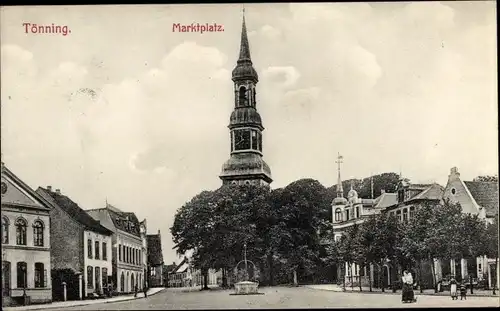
(245, 165)
(143, 227)
(81, 249)
(155, 260)
(477, 198)
(127, 250)
(347, 212)
(25, 243)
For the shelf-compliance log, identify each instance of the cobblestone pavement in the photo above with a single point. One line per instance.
(282, 297)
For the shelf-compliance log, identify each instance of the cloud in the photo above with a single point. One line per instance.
(282, 76)
(270, 32)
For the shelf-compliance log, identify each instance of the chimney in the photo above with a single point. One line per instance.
(454, 174)
(49, 188)
(58, 191)
(382, 191)
(158, 231)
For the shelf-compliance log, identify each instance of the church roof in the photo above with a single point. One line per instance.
(246, 164)
(75, 211)
(155, 255)
(485, 194)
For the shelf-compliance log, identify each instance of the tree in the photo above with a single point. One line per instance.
(491, 243)
(487, 178)
(303, 212)
(368, 246)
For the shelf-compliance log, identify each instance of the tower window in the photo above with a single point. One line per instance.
(253, 97)
(338, 215)
(254, 140)
(259, 141)
(242, 96)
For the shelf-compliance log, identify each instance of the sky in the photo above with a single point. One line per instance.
(126, 110)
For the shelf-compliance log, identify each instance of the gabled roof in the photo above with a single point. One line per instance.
(75, 212)
(39, 202)
(485, 194)
(124, 221)
(155, 255)
(385, 200)
(431, 192)
(181, 267)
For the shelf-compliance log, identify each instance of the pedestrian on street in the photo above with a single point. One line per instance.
(145, 289)
(136, 289)
(453, 289)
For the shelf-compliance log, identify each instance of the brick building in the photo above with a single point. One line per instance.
(127, 250)
(475, 197)
(25, 243)
(155, 260)
(81, 249)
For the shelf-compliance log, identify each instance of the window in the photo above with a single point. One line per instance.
(232, 141)
(97, 252)
(97, 277)
(254, 140)
(104, 251)
(90, 277)
(140, 256)
(119, 252)
(21, 231)
(6, 278)
(259, 141)
(398, 214)
(338, 214)
(21, 274)
(357, 212)
(412, 212)
(254, 98)
(242, 96)
(38, 233)
(453, 191)
(104, 277)
(89, 248)
(347, 214)
(5, 230)
(122, 283)
(405, 214)
(39, 275)
(401, 195)
(153, 272)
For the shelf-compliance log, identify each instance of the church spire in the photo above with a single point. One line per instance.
(244, 46)
(340, 190)
(244, 69)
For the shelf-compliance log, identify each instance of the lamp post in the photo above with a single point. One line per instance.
(245, 258)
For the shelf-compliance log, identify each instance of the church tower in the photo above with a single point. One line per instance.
(245, 165)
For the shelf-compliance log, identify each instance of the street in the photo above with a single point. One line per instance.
(282, 297)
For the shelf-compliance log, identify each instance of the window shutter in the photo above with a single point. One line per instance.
(45, 278)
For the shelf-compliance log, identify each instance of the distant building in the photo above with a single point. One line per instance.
(25, 243)
(477, 198)
(144, 252)
(178, 276)
(155, 260)
(81, 249)
(351, 211)
(167, 270)
(128, 266)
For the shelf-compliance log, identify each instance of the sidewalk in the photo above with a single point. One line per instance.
(366, 290)
(75, 303)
